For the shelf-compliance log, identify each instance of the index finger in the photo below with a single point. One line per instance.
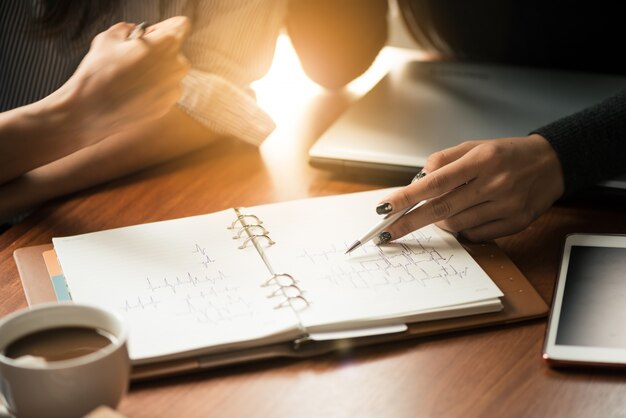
(455, 173)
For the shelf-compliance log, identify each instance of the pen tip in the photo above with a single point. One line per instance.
(352, 247)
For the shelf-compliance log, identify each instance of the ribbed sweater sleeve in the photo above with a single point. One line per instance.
(590, 144)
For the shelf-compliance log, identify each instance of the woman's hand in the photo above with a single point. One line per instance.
(123, 82)
(119, 85)
(481, 189)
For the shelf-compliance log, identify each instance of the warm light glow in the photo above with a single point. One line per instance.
(286, 87)
(386, 59)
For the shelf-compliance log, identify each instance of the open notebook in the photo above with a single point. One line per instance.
(245, 279)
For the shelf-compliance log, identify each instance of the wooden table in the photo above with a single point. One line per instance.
(485, 373)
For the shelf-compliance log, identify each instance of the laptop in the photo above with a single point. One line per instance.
(421, 107)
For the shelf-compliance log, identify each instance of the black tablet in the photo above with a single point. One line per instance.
(587, 324)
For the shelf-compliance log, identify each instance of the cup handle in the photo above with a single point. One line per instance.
(4, 412)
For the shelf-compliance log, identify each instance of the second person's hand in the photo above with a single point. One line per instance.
(480, 189)
(122, 82)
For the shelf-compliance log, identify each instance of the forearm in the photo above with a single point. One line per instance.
(173, 135)
(36, 134)
(590, 144)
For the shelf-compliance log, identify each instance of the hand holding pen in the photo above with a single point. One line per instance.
(480, 189)
(130, 75)
(378, 232)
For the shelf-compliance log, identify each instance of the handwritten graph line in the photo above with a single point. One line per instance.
(412, 260)
(188, 279)
(206, 260)
(205, 298)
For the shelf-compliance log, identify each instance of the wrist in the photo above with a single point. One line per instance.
(41, 132)
(550, 164)
(62, 115)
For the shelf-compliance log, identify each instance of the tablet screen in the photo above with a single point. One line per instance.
(593, 298)
(588, 316)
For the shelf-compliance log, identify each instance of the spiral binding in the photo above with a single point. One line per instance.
(240, 219)
(247, 228)
(290, 293)
(285, 285)
(255, 236)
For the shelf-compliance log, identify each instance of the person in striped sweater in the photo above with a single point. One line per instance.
(76, 93)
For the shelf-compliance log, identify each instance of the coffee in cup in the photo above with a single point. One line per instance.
(62, 359)
(61, 343)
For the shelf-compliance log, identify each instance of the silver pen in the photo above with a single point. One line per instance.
(387, 220)
(138, 31)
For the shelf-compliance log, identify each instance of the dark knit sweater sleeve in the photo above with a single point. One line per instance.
(590, 144)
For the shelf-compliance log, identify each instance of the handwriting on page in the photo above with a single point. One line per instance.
(202, 293)
(411, 260)
(205, 259)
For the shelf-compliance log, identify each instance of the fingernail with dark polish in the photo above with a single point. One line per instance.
(384, 208)
(384, 237)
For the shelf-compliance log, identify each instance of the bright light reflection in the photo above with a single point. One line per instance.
(286, 88)
(286, 85)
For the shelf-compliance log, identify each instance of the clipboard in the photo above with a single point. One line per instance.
(520, 302)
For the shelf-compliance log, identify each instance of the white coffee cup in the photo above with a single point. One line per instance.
(63, 388)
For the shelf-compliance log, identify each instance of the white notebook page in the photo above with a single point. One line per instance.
(423, 272)
(182, 284)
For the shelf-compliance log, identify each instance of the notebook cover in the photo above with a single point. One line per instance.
(521, 301)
